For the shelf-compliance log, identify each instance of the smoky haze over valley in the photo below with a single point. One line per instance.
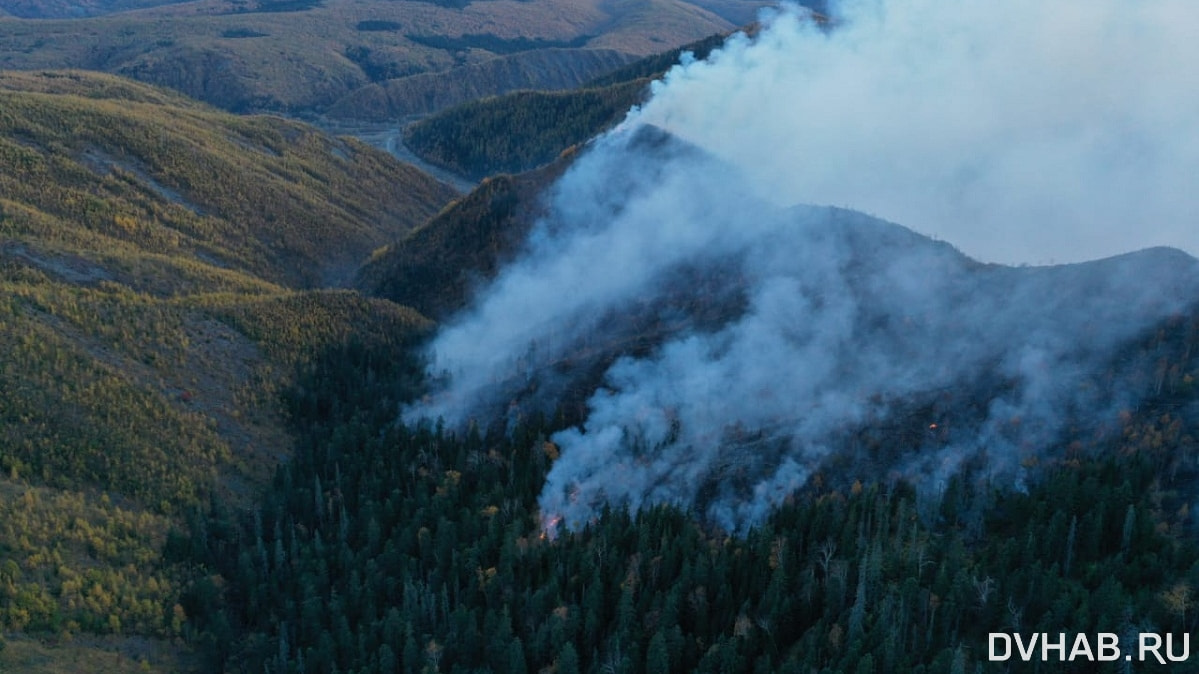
(788, 339)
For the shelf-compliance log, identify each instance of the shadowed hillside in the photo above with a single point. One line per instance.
(435, 268)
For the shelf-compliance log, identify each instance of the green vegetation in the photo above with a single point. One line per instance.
(522, 130)
(519, 131)
(157, 264)
(83, 564)
(172, 338)
(434, 268)
(296, 60)
(493, 43)
(261, 195)
(145, 243)
(382, 548)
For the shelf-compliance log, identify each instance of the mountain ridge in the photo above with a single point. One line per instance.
(305, 61)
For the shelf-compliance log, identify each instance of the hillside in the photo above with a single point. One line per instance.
(144, 242)
(525, 129)
(169, 343)
(254, 195)
(440, 540)
(304, 56)
(73, 9)
(426, 93)
(163, 268)
(436, 267)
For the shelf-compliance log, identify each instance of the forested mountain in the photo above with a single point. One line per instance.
(526, 129)
(435, 268)
(213, 455)
(161, 265)
(390, 548)
(299, 56)
(425, 93)
(68, 9)
(858, 571)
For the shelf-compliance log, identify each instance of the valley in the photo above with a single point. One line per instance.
(414, 336)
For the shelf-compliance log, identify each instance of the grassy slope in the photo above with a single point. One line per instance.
(299, 60)
(159, 265)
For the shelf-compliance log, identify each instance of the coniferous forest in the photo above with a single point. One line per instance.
(212, 325)
(383, 548)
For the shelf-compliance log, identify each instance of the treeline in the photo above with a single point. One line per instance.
(434, 269)
(381, 548)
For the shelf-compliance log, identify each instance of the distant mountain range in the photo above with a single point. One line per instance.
(75, 9)
(382, 58)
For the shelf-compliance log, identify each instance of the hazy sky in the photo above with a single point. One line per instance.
(1021, 131)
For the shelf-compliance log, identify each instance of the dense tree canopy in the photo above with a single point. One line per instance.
(383, 548)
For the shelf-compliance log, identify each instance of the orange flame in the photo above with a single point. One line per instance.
(549, 527)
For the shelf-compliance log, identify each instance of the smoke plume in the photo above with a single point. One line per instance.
(741, 344)
(1022, 132)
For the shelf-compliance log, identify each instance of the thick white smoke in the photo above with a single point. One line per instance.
(762, 342)
(1025, 131)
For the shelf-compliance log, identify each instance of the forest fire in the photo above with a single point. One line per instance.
(549, 527)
